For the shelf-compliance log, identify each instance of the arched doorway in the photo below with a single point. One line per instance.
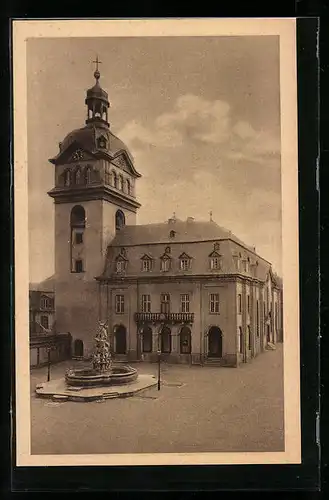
(185, 340)
(78, 348)
(147, 339)
(166, 340)
(215, 342)
(120, 339)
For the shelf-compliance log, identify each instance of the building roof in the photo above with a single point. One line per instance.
(184, 231)
(86, 137)
(47, 285)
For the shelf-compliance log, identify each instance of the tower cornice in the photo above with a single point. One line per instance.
(97, 192)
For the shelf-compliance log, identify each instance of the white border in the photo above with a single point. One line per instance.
(286, 29)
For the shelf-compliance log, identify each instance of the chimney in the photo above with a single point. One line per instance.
(190, 219)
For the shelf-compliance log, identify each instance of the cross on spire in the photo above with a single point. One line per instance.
(97, 73)
(97, 62)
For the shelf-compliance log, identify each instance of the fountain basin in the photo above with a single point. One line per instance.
(87, 377)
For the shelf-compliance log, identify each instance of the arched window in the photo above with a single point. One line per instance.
(88, 175)
(108, 175)
(120, 182)
(78, 223)
(128, 187)
(78, 216)
(67, 178)
(78, 176)
(185, 340)
(119, 220)
(147, 339)
(115, 180)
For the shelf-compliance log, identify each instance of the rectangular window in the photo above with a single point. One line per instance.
(185, 303)
(78, 237)
(239, 303)
(215, 263)
(214, 303)
(79, 266)
(119, 304)
(146, 303)
(44, 320)
(165, 303)
(146, 265)
(45, 303)
(184, 264)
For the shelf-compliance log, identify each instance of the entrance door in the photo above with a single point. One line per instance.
(120, 339)
(166, 340)
(78, 348)
(215, 342)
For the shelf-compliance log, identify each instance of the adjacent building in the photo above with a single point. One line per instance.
(43, 333)
(191, 289)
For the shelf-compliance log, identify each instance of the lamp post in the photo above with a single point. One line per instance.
(48, 354)
(159, 359)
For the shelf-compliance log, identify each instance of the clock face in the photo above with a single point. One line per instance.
(78, 155)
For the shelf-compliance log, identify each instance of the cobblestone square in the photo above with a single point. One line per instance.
(198, 409)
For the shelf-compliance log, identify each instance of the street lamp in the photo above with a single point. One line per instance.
(48, 354)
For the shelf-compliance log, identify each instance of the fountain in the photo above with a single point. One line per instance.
(102, 372)
(102, 380)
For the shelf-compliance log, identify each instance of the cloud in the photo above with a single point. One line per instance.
(209, 123)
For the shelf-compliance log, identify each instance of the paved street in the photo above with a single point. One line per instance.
(198, 409)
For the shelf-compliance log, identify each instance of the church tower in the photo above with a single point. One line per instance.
(94, 197)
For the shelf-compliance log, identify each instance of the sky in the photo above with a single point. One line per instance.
(200, 115)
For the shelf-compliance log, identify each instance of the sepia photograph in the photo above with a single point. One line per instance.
(156, 180)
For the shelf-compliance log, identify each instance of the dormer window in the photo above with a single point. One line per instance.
(172, 234)
(185, 262)
(121, 264)
(146, 263)
(215, 261)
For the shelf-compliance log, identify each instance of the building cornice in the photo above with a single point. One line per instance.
(113, 279)
(97, 192)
